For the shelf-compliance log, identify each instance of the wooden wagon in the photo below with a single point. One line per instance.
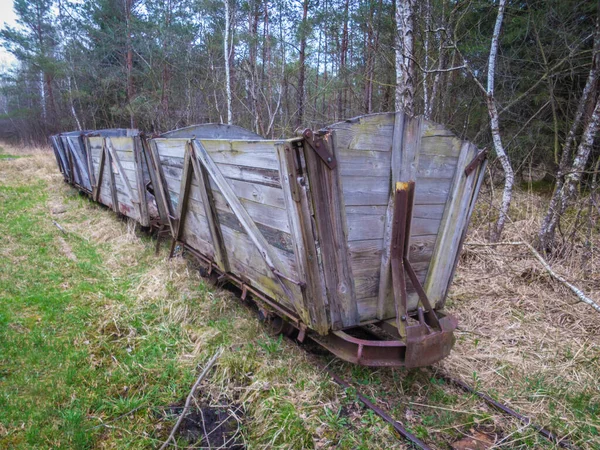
(350, 235)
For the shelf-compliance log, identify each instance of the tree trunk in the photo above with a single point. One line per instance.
(302, 62)
(129, 62)
(495, 127)
(226, 57)
(556, 208)
(405, 67)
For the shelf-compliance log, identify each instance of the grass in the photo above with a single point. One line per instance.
(99, 338)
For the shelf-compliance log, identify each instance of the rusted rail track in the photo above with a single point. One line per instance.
(408, 436)
(552, 437)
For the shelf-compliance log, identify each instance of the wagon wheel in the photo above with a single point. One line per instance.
(277, 325)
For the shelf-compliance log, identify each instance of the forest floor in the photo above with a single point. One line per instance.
(101, 341)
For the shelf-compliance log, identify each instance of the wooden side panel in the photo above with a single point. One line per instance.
(126, 176)
(330, 216)
(251, 171)
(60, 156)
(453, 225)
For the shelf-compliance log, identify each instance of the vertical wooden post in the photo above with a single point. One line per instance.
(330, 218)
(141, 187)
(313, 311)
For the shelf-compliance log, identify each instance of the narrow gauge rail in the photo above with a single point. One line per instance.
(351, 234)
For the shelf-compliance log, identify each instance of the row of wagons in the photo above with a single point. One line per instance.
(349, 236)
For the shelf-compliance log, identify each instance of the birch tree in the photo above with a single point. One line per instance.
(227, 58)
(495, 127)
(405, 66)
(569, 171)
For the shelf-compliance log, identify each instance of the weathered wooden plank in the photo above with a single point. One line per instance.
(246, 261)
(212, 131)
(428, 211)
(140, 185)
(436, 166)
(158, 199)
(184, 195)
(361, 227)
(329, 209)
(453, 222)
(370, 133)
(431, 191)
(121, 172)
(113, 188)
(276, 218)
(164, 196)
(99, 175)
(80, 163)
(366, 190)
(364, 163)
(312, 310)
(440, 146)
(210, 210)
(257, 175)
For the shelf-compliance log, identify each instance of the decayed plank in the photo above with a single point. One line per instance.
(162, 185)
(363, 163)
(97, 188)
(90, 165)
(184, 194)
(211, 212)
(113, 188)
(121, 171)
(406, 143)
(314, 297)
(248, 264)
(159, 194)
(78, 165)
(251, 229)
(373, 226)
(141, 188)
(479, 175)
(453, 222)
(370, 133)
(329, 209)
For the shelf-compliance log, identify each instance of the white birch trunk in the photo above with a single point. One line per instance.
(495, 126)
(556, 208)
(426, 99)
(43, 97)
(226, 54)
(405, 67)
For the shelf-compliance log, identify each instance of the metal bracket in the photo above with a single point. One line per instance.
(321, 146)
(481, 156)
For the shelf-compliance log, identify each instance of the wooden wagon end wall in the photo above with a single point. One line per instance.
(373, 153)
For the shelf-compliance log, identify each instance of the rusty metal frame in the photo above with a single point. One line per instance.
(320, 144)
(476, 161)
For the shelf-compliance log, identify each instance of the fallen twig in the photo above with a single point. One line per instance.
(59, 227)
(578, 292)
(190, 396)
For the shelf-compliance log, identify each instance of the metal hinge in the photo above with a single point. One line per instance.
(321, 146)
(481, 156)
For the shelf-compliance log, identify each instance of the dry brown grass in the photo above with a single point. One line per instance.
(526, 336)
